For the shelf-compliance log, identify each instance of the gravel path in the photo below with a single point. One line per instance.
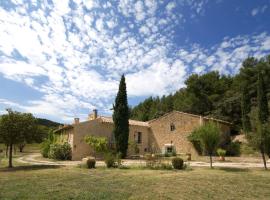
(34, 159)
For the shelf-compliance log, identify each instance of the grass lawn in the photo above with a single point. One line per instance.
(41, 182)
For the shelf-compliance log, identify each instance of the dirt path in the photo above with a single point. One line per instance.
(34, 159)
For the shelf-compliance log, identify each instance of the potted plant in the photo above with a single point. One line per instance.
(221, 153)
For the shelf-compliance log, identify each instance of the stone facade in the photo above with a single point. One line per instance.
(156, 135)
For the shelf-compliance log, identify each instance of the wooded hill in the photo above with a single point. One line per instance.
(211, 94)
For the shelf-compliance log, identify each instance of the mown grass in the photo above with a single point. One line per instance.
(79, 183)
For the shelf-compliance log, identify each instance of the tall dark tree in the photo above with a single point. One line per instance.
(120, 119)
(245, 108)
(263, 115)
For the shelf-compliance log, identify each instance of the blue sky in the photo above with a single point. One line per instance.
(61, 59)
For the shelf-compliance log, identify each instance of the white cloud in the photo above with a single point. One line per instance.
(170, 6)
(75, 58)
(259, 10)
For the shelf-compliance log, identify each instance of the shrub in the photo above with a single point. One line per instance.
(177, 163)
(233, 149)
(91, 163)
(45, 148)
(110, 160)
(221, 152)
(60, 151)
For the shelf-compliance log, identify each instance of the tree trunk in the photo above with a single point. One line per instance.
(263, 157)
(21, 147)
(10, 156)
(211, 165)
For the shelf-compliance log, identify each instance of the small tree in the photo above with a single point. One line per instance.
(98, 144)
(15, 128)
(209, 135)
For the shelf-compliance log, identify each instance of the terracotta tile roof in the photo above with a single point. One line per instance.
(131, 122)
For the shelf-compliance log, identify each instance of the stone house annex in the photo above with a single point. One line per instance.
(159, 135)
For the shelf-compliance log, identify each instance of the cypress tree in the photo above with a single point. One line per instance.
(245, 108)
(120, 119)
(263, 115)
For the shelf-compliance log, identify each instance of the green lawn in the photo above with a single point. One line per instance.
(78, 183)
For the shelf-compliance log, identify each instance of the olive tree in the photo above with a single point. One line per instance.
(209, 136)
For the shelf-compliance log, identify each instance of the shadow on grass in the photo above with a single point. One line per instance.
(233, 169)
(29, 168)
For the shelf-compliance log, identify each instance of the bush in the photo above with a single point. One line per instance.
(45, 148)
(110, 160)
(177, 163)
(221, 152)
(60, 151)
(91, 163)
(233, 149)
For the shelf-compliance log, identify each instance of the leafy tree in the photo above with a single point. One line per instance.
(209, 135)
(98, 144)
(120, 119)
(15, 128)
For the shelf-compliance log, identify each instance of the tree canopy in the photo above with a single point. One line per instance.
(211, 94)
(15, 128)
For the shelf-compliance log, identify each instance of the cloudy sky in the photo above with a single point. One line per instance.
(61, 59)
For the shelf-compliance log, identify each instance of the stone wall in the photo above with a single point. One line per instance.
(161, 133)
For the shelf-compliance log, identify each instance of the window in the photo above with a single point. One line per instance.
(172, 127)
(169, 149)
(139, 138)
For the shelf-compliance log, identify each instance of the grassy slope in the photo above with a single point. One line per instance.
(79, 183)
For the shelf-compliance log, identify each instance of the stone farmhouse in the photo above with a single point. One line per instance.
(160, 135)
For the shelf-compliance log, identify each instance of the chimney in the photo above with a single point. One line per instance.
(76, 120)
(95, 113)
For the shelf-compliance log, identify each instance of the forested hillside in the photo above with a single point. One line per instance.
(210, 94)
(47, 123)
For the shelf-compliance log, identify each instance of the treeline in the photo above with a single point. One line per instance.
(47, 123)
(211, 94)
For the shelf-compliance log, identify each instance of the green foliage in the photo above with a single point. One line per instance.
(212, 94)
(177, 163)
(16, 128)
(209, 135)
(233, 149)
(221, 152)
(45, 146)
(194, 138)
(91, 163)
(120, 119)
(47, 123)
(110, 160)
(262, 101)
(60, 151)
(245, 108)
(98, 144)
